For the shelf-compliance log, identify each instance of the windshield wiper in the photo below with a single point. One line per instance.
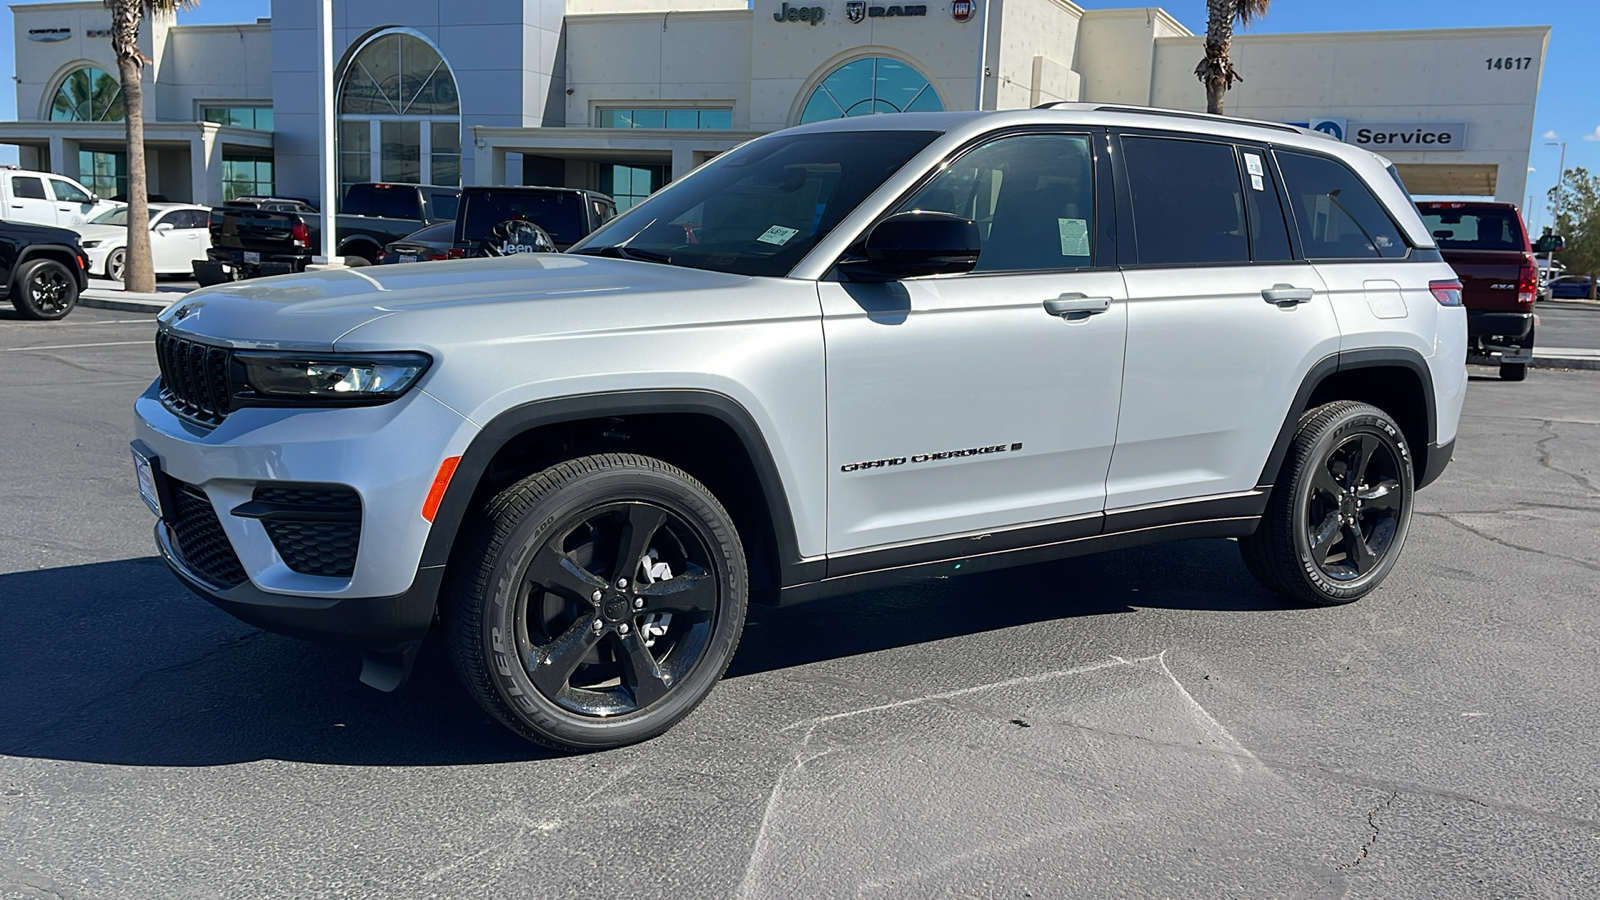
(619, 251)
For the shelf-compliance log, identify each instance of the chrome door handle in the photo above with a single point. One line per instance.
(1077, 307)
(1286, 295)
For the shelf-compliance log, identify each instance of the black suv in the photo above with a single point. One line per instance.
(42, 269)
(566, 214)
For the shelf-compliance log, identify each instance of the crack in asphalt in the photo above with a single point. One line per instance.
(1373, 824)
(1592, 566)
(83, 710)
(1543, 452)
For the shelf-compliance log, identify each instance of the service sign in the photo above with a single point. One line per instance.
(1381, 136)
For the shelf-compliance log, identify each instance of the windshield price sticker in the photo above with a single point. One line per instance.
(778, 235)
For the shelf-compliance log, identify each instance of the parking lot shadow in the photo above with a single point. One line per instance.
(116, 663)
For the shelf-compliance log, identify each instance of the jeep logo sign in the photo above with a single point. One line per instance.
(787, 13)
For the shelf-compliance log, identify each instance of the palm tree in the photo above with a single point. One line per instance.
(126, 17)
(1216, 70)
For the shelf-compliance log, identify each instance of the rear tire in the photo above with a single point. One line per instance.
(117, 264)
(1339, 512)
(596, 603)
(1513, 371)
(44, 289)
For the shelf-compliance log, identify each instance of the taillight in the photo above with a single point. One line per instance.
(456, 253)
(300, 234)
(1448, 292)
(434, 254)
(1527, 280)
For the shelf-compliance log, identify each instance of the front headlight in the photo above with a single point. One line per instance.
(90, 245)
(327, 378)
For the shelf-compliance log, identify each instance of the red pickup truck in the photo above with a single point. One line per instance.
(1487, 244)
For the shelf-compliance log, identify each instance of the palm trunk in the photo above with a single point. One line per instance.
(139, 271)
(1216, 70)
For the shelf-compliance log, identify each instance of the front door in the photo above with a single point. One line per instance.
(29, 203)
(74, 206)
(1219, 309)
(959, 404)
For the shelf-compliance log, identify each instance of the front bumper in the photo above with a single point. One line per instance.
(388, 455)
(97, 259)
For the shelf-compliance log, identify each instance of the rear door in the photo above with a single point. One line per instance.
(29, 203)
(1223, 318)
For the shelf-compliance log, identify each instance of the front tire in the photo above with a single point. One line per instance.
(597, 602)
(44, 289)
(117, 264)
(1339, 512)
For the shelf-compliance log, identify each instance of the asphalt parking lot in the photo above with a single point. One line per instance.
(1146, 723)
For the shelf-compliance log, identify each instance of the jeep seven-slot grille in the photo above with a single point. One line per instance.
(194, 378)
(316, 529)
(199, 539)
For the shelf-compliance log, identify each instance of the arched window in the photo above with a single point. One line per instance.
(399, 116)
(88, 95)
(869, 86)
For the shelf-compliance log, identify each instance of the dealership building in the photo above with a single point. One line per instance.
(625, 95)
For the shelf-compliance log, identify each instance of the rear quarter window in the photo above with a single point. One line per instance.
(1336, 214)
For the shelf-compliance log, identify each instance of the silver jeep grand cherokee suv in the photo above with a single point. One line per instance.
(843, 355)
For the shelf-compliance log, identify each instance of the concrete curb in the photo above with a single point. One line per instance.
(116, 300)
(1565, 358)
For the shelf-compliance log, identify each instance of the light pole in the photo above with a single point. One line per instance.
(1561, 176)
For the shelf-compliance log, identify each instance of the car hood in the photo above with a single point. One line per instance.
(103, 233)
(312, 310)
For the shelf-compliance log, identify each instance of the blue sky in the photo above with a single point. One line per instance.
(1569, 103)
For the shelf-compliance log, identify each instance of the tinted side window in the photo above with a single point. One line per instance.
(383, 200)
(1269, 234)
(1336, 214)
(445, 204)
(1188, 206)
(68, 193)
(31, 188)
(1032, 196)
(187, 218)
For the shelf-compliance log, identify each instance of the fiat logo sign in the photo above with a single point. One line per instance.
(963, 10)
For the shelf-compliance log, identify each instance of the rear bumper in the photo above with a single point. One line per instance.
(1506, 326)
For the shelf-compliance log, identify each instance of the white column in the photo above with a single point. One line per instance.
(682, 160)
(58, 154)
(205, 168)
(329, 161)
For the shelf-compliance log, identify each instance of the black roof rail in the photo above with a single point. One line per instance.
(1178, 114)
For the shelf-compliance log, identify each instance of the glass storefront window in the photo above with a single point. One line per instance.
(246, 176)
(630, 184)
(88, 95)
(685, 119)
(868, 87)
(257, 117)
(104, 172)
(399, 115)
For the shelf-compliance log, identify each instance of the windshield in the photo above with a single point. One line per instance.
(1463, 229)
(759, 209)
(559, 213)
(118, 216)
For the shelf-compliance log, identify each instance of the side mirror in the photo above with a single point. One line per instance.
(1550, 243)
(165, 226)
(911, 244)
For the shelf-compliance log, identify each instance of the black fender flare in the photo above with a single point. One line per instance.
(1345, 360)
(519, 419)
(355, 245)
(61, 253)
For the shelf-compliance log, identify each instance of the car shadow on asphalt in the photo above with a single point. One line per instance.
(116, 663)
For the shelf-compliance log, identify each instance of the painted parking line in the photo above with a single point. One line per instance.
(73, 346)
(145, 321)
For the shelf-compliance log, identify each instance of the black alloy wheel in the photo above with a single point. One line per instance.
(44, 289)
(603, 599)
(1340, 509)
(1354, 508)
